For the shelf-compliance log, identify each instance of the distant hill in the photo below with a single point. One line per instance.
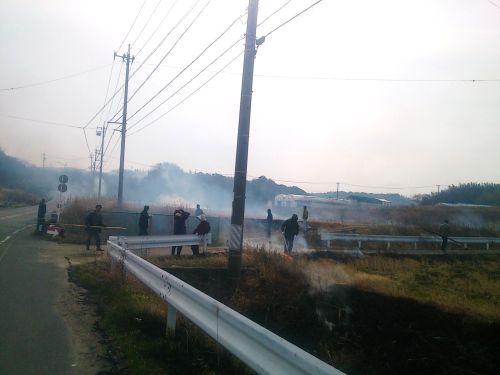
(470, 193)
(164, 182)
(168, 182)
(393, 198)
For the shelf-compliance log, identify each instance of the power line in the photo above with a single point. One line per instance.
(273, 13)
(291, 19)
(146, 23)
(41, 121)
(203, 70)
(367, 79)
(157, 27)
(54, 80)
(188, 82)
(154, 50)
(133, 23)
(107, 88)
(171, 49)
(87, 142)
(494, 4)
(188, 65)
(187, 97)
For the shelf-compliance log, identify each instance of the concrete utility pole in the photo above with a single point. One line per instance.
(103, 134)
(240, 169)
(439, 188)
(338, 183)
(44, 157)
(128, 60)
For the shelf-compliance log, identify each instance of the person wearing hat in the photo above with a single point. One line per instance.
(144, 222)
(202, 229)
(290, 228)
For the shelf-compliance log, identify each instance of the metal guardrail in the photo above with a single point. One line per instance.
(404, 239)
(259, 348)
(145, 242)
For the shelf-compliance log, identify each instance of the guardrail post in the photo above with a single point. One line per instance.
(415, 245)
(487, 245)
(388, 245)
(171, 319)
(465, 245)
(328, 244)
(359, 245)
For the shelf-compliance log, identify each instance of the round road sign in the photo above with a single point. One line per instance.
(63, 179)
(62, 188)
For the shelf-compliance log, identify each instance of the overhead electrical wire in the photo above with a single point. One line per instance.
(41, 121)
(171, 49)
(292, 18)
(188, 82)
(146, 24)
(54, 80)
(132, 26)
(107, 88)
(187, 97)
(273, 13)
(154, 50)
(204, 69)
(189, 65)
(157, 28)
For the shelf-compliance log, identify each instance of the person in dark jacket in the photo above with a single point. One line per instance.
(444, 232)
(290, 228)
(144, 222)
(202, 229)
(94, 224)
(42, 210)
(269, 222)
(180, 217)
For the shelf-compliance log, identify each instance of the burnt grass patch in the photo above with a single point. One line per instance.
(356, 330)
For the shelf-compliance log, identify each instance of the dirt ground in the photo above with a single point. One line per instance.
(88, 344)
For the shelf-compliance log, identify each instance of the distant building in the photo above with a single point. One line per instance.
(295, 200)
(368, 200)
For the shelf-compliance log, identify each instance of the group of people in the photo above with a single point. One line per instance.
(289, 228)
(94, 224)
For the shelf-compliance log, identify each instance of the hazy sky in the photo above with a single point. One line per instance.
(373, 93)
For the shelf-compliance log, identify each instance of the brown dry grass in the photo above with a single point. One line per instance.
(467, 285)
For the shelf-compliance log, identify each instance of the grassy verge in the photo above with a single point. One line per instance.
(373, 315)
(14, 198)
(134, 320)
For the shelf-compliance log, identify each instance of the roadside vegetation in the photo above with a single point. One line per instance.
(13, 198)
(375, 314)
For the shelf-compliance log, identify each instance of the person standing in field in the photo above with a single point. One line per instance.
(269, 222)
(94, 224)
(144, 222)
(180, 217)
(42, 210)
(201, 230)
(444, 232)
(305, 216)
(198, 211)
(290, 228)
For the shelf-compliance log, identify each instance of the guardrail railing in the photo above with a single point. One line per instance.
(259, 348)
(359, 238)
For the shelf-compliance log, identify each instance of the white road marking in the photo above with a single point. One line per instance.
(9, 237)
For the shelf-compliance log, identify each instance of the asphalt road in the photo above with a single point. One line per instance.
(33, 338)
